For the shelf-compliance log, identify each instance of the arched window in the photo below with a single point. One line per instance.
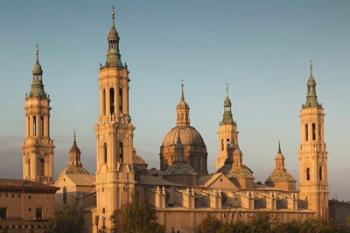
(34, 125)
(104, 102)
(121, 152)
(320, 173)
(105, 153)
(306, 133)
(121, 100)
(313, 131)
(42, 126)
(222, 144)
(319, 131)
(64, 195)
(42, 167)
(111, 100)
(28, 125)
(307, 173)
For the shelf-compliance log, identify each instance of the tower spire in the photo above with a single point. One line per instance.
(311, 98)
(227, 117)
(279, 147)
(113, 53)
(182, 110)
(182, 90)
(37, 53)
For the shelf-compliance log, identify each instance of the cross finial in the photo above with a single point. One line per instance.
(37, 53)
(182, 90)
(227, 89)
(113, 15)
(310, 67)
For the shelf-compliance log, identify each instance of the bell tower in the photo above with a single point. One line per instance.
(313, 170)
(38, 148)
(227, 133)
(114, 134)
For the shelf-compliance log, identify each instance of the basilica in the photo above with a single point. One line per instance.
(181, 190)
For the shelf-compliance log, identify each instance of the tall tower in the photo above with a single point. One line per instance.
(114, 134)
(38, 146)
(227, 133)
(313, 171)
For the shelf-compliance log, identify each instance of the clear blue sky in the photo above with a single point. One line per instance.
(262, 48)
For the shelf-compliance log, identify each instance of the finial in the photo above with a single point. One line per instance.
(227, 89)
(37, 53)
(182, 90)
(113, 16)
(311, 67)
(75, 137)
(279, 147)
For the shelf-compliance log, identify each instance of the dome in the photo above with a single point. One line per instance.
(182, 104)
(188, 136)
(113, 34)
(37, 69)
(72, 169)
(280, 176)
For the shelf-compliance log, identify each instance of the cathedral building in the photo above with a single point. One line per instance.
(182, 190)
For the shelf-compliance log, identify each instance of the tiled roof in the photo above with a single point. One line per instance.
(280, 176)
(236, 171)
(82, 179)
(25, 185)
(180, 168)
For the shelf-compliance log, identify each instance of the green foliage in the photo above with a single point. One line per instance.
(262, 224)
(136, 217)
(68, 219)
(210, 224)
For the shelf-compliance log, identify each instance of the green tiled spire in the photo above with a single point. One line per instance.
(37, 88)
(227, 116)
(113, 53)
(311, 98)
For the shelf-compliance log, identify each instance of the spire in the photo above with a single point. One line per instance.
(182, 90)
(37, 88)
(182, 110)
(227, 116)
(279, 159)
(113, 53)
(74, 153)
(279, 147)
(311, 98)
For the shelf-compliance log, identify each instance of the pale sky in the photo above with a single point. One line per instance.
(262, 48)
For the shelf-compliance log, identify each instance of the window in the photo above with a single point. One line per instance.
(121, 152)
(3, 213)
(28, 125)
(104, 102)
(222, 144)
(29, 172)
(259, 204)
(319, 131)
(313, 131)
(105, 153)
(320, 173)
(64, 195)
(42, 126)
(120, 100)
(38, 213)
(34, 126)
(42, 167)
(307, 173)
(306, 133)
(111, 101)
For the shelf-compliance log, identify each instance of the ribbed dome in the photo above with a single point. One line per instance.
(113, 34)
(188, 136)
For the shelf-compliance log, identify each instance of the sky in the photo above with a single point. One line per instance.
(261, 48)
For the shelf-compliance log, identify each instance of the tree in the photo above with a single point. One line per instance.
(210, 224)
(260, 224)
(68, 219)
(136, 217)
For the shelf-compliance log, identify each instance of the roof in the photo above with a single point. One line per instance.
(180, 168)
(26, 186)
(280, 176)
(155, 180)
(82, 179)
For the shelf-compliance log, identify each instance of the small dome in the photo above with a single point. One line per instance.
(311, 81)
(180, 169)
(37, 69)
(188, 136)
(113, 34)
(74, 149)
(182, 104)
(71, 169)
(280, 176)
(227, 102)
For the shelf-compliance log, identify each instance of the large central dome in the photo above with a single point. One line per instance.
(195, 151)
